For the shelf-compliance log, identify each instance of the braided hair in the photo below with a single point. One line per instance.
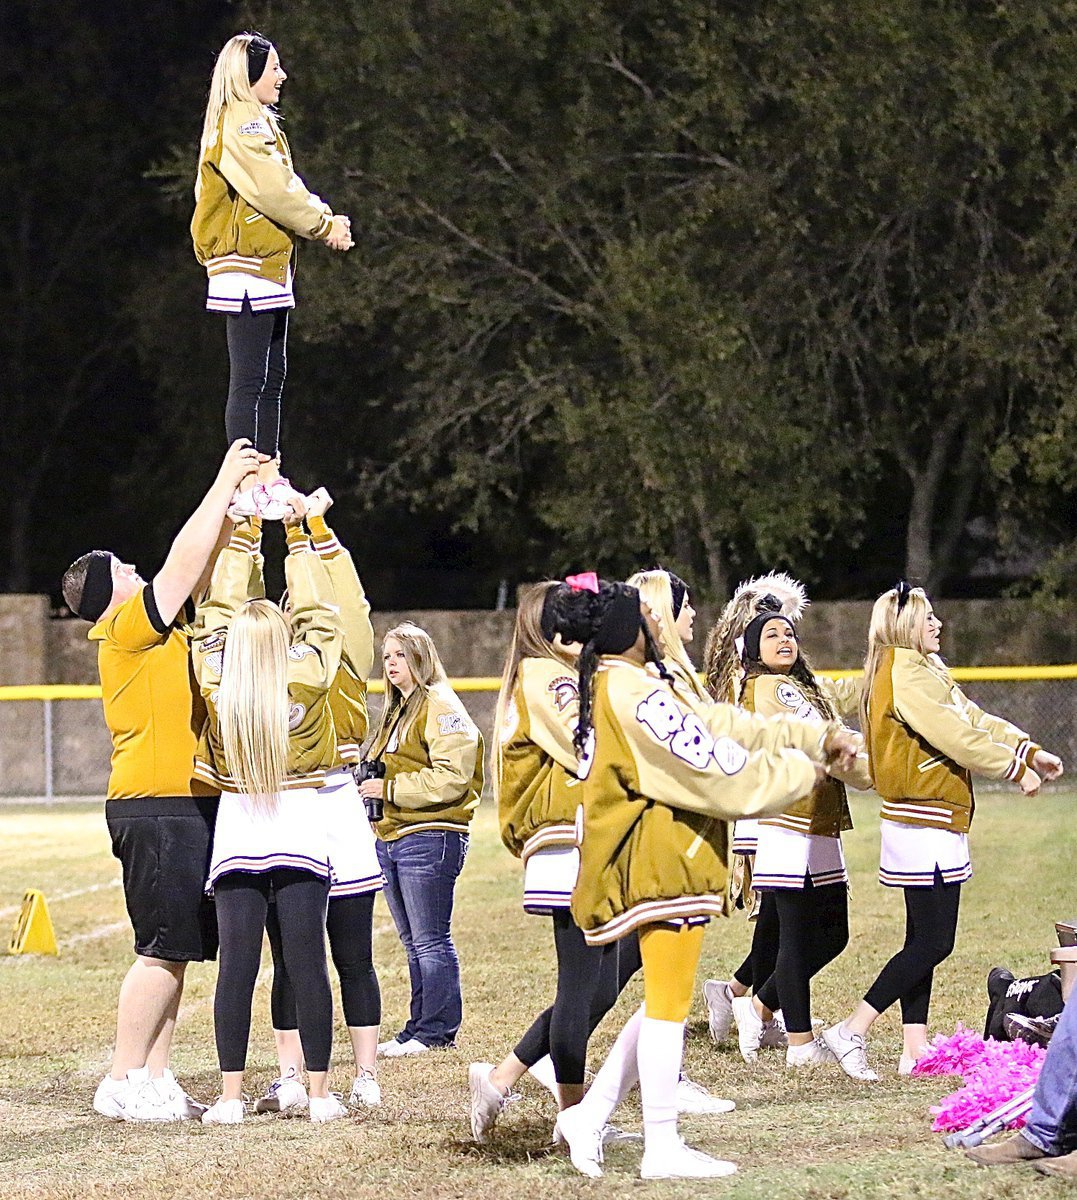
(604, 622)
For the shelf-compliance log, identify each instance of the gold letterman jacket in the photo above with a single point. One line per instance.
(660, 778)
(249, 203)
(348, 695)
(313, 658)
(824, 812)
(925, 738)
(535, 777)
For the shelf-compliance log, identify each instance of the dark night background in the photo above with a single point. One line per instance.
(731, 286)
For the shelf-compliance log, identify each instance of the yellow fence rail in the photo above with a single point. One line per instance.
(48, 693)
(490, 683)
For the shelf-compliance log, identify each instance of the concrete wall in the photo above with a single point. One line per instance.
(37, 649)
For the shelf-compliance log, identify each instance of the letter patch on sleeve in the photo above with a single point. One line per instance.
(686, 736)
(255, 129)
(451, 723)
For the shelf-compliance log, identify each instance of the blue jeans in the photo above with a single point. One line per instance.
(420, 876)
(1052, 1124)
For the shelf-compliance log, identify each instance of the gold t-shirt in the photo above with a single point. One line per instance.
(153, 708)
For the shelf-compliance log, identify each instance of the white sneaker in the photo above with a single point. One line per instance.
(851, 1052)
(147, 1099)
(397, 1049)
(812, 1054)
(108, 1099)
(774, 1035)
(584, 1141)
(274, 500)
(242, 505)
(326, 1108)
(682, 1162)
(693, 1097)
(224, 1112)
(749, 1027)
(366, 1091)
(285, 1095)
(184, 1107)
(719, 1001)
(487, 1103)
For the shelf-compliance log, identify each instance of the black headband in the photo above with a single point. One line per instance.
(620, 624)
(97, 588)
(754, 631)
(680, 593)
(258, 49)
(904, 591)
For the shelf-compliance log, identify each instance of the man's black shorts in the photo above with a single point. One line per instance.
(164, 844)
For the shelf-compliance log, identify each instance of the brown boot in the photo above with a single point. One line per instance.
(1064, 1166)
(1014, 1150)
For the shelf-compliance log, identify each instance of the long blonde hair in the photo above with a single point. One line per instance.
(527, 641)
(656, 591)
(229, 84)
(426, 669)
(888, 628)
(253, 705)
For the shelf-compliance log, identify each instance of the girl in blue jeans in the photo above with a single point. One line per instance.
(433, 756)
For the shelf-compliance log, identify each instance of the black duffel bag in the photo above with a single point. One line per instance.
(1036, 996)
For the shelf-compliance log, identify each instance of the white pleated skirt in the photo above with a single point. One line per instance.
(784, 859)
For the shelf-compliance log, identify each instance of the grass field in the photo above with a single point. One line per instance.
(822, 1137)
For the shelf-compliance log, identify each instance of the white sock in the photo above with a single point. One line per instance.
(543, 1072)
(661, 1049)
(617, 1076)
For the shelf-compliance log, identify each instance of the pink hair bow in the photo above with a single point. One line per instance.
(586, 582)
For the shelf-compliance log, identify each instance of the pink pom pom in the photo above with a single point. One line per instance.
(993, 1073)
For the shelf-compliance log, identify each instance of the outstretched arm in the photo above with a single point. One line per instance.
(196, 541)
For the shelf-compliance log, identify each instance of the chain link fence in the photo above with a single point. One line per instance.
(56, 746)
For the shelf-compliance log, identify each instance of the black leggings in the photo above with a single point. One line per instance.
(813, 930)
(589, 980)
(930, 929)
(349, 923)
(759, 965)
(242, 902)
(257, 363)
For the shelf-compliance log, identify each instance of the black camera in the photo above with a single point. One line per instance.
(371, 768)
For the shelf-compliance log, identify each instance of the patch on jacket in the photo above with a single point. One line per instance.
(451, 723)
(299, 651)
(565, 691)
(730, 755)
(791, 696)
(255, 129)
(215, 662)
(295, 714)
(685, 735)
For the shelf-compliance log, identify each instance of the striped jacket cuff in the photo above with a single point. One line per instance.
(325, 540)
(246, 537)
(298, 542)
(1027, 751)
